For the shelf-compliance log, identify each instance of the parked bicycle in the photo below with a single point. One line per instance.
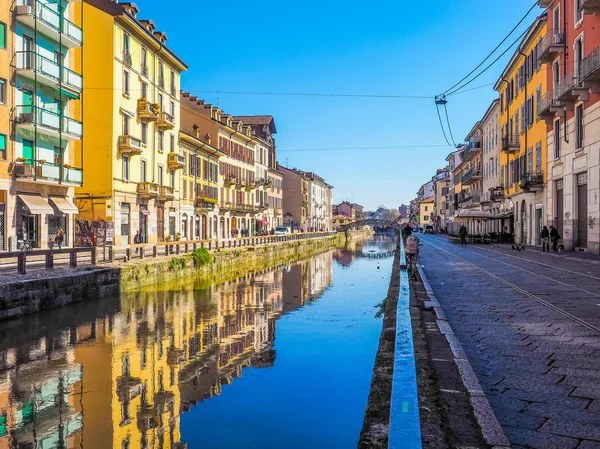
(411, 250)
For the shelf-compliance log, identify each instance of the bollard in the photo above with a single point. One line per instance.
(21, 262)
(94, 255)
(111, 254)
(127, 254)
(49, 261)
(154, 251)
(73, 257)
(195, 246)
(177, 249)
(142, 252)
(209, 245)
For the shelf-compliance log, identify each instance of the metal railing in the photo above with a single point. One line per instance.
(591, 65)
(509, 142)
(547, 101)
(49, 171)
(552, 39)
(127, 57)
(34, 115)
(29, 60)
(475, 173)
(532, 179)
(567, 84)
(50, 18)
(47, 258)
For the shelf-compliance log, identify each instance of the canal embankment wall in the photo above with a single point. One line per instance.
(50, 290)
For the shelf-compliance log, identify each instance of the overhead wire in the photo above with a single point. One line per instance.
(448, 121)
(437, 108)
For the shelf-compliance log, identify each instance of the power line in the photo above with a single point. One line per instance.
(471, 89)
(361, 148)
(448, 121)
(437, 108)
(494, 50)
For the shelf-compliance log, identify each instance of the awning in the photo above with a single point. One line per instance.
(145, 212)
(68, 94)
(126, 112)
(64, 205)
(265, 222)
(474, 214)
(36, 204)
(505, 214)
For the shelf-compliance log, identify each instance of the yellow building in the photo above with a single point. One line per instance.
(199, 192)
(523, 135)
(130, 156)
(237, 208)
(426, 211)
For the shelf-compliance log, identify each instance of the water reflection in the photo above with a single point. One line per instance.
(381, 246)
(91, 376)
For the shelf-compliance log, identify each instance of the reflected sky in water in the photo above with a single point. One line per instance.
(281, 358)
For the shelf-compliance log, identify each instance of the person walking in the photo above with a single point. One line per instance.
(545, 236)
(137, 239)
(406, 231)
(555, 237)
(462, 233)
(60, 238)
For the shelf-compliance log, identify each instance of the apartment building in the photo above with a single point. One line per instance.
(295, 198)
(571, 109)
(237, 142)
(200, 184)
(523, 144)
(130, 154)
(319, 207)
(41, 89)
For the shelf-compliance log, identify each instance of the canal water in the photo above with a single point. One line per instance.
(278, 359)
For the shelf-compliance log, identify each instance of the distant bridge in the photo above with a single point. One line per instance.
(373, 222)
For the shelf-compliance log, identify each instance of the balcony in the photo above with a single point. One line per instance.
(227, 206)
(127, 58)
(469, 198)
(205, 202)
(497, 194)
(45, 172)
(175, 161)
(544, 3)
(33, 119)
(471, 176)
(549, 106)
(277, 211)
(590, 6)
(590, 70)
(533, 181)
(165, 121)
(128, 388)
(147, 189)
(166, 193)
(45, 71)
(553, 44)
(229, 180)
(471, 149)
(131, 145)
(245, 208)
(510, 143)
(147, 110)
(40, 17)
(570, 89)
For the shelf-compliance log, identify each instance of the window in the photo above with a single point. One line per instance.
(126, 82)
(426, 217)
(556, 139)
(172, 112)
(579, 126)
(172, 178)
(144, 132)
(578, 11)
(184, 190)
(160, 175)
(125, 125)
(578, 55)
(160, 102)
(2, 91)
(516, 123)
(538, 157)
(3, 146)
(172, 143)
(161, 74)
(426, 208)
(161, 138)
(530, 160)
(126, 42)
(143, 171)
(538, 99)
(555, 76)
(2, 35)
(144, 62)
(523, 118)
(172, 82)
(126, 168)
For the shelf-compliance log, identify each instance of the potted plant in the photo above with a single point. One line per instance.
(21, 160)
(178, 236)
(42, 161)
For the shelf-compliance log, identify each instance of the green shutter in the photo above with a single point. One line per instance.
(2, 142)
(28, 150)
(2, 35)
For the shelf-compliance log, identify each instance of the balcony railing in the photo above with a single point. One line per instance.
(552, 44)
(161, 81)
(46, 71)
(42, 170)
(166, 193)
(510, 143)
(547, 103)
(166, 121)
(590, 66)
(48, 122)
(532, 180)
(148, 110)
(131, 145)
(570, 87)
(471, 149)
(147, 189)
(472, 196)
(49, 22)
(206, 202)
(173, 91)
(144, 69)
(497, 194)
(175, 160)
(471, 176)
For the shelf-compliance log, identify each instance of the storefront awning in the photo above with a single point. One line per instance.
(68, 94)
(36, 204)
(474, 214)
(505, 214)
(64, 205)
(145, 212)
(265, 222)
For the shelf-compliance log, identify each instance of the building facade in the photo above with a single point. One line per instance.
(41, 87)
(131, 154)
(571, 108)
(523, 137)
(426, 211)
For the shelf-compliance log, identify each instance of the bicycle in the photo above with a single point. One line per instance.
(411, 266)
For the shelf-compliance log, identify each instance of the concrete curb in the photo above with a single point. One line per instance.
(490, 427)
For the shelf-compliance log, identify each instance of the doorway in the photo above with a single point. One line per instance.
(144, 222)
(538, 225)
(582, 210)
(204, 225)
(160, 223)
(523, 223)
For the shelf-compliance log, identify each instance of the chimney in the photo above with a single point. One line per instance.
(196, 131)
(207, 138)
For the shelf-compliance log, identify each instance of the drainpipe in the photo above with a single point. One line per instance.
(507, 136)
(566, 137)
(526, 108)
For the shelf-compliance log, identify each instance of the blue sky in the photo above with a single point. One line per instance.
(350, 47)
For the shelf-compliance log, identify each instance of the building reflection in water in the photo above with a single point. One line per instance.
(381, 246)
(121, 379)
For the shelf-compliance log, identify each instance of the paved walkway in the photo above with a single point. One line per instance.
(530, 325)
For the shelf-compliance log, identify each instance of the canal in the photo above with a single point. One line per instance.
(281, 358)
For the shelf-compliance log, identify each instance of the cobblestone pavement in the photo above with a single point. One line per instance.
(530, 325)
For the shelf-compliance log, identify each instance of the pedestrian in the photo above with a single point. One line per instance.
(137, 239)
(545, 236)
(555, 237)
(60, 238)
(462, 233)
(406, 232)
